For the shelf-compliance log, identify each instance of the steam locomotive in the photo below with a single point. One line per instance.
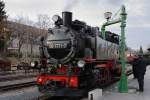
(76, 58)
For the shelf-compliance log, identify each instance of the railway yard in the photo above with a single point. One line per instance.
(74, 50)
(29, 91)
(22, 86)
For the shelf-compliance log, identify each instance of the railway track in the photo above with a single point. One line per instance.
(17, 86)
(57, 98)
(17, 71)
(11, 78)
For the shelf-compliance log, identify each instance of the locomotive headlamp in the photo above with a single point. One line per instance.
(32, 64)
(81, 63)
(107, 15)
(55, 18)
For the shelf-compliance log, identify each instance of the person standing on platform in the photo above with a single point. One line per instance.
(131, 60)
(139, 70)
(134, 68)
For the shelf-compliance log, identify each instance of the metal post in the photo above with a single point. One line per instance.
(103, 31)
(123, 87)
(107, 24)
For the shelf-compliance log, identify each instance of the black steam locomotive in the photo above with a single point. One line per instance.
(76, 58)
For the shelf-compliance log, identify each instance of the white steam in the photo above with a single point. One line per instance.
(69, 4)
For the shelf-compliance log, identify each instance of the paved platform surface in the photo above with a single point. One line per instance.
(113, 94)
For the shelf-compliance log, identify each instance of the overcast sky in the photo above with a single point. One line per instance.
(91, 11)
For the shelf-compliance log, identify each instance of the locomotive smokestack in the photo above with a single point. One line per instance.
(67, 18)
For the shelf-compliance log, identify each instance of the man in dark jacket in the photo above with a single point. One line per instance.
(133, 69)
(140, 68)
(131, 61)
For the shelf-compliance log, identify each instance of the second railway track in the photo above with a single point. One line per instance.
(17, 86)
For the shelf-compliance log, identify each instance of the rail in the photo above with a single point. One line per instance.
(17, 86)
(18, 77)
(18, 72)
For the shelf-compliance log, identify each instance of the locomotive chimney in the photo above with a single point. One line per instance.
(67, 18)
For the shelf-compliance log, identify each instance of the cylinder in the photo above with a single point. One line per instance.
(67, 18)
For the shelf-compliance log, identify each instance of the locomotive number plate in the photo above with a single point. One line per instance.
(57, 45)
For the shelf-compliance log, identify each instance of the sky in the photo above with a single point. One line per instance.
(92, 12)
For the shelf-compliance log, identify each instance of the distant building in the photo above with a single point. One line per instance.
(130, 52)
(25, 38)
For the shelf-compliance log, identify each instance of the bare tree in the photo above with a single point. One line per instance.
(3, 26)
(43, 22)
(21, 37)
(26, 36)
(19, 32)
(26, 31)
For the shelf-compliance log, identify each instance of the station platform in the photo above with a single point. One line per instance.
(111, 93)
